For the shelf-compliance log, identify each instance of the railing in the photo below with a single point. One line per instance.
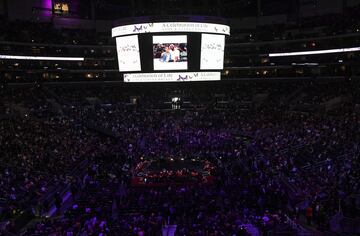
(75, 171)
(324, 162)
(78, 170)
(299, 229)
(95, 46)
(108, 132)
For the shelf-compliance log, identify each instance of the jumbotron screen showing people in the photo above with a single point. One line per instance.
(171, 51)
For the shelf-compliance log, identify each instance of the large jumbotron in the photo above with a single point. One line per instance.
(171, 49)
(164, 124)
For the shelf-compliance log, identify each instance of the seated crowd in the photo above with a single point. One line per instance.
(272, 163)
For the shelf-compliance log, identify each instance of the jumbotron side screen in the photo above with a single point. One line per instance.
(128, 53)
(212, 52)
(171, 51)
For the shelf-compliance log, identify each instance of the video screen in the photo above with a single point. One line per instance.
(212, 52)
(128, 53)
(170, 52)
(61, 8)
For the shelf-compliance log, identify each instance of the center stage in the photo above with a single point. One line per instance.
(163, 172)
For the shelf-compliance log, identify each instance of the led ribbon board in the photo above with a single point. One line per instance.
(316, 52)
(167, 27)
(172, 77)
(11, 57)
